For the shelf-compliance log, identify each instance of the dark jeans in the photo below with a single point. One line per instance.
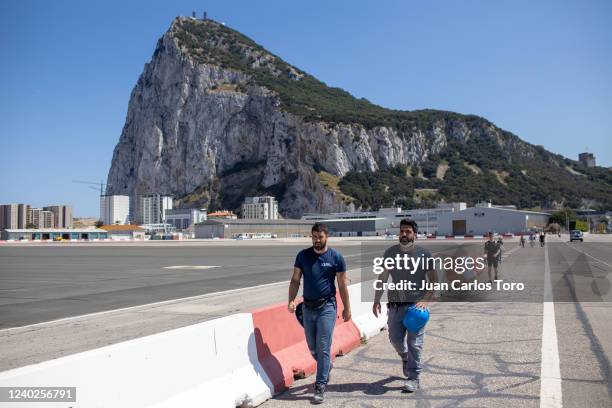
(319, 329)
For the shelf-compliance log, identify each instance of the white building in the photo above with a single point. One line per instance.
(185, 218)
(385, 220)
(261, 208)
(426, 218)
(152, 208)
(484, 218)
(114, 209)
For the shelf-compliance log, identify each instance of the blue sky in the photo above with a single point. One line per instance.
(541, 70)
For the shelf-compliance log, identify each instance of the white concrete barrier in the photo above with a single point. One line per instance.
(361, 309)
(207, 364)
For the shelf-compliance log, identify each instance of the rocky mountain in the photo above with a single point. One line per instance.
(215, 117)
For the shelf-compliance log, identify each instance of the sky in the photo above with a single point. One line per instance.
(541, 70)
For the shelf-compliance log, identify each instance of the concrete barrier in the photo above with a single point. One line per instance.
(238, 360)
(208, 364)
(368, 325)
(282, 348)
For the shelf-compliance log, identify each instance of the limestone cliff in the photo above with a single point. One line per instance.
(215, 117)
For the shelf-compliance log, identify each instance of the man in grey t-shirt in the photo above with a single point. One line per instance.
(408, 345)
(416, 276)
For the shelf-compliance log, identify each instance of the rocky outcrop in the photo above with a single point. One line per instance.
(209, 135)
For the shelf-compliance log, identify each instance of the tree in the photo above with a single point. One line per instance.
(562, 217)
(99, 223)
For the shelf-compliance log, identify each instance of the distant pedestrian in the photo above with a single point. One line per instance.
(491, 250)
(500, 246)
(542, 237)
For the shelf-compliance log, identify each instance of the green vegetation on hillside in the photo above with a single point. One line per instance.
(213, 43)
(539, 182)
(506, 171)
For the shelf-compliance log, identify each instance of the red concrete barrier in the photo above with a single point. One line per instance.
(281, 343)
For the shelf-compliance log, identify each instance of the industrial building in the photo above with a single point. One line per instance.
(53, 234)
(247, 228)
(446, 219)
(356, 227)
(484, 218)
(114, 209)
(384, 221)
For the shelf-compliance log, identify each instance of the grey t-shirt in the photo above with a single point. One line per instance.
(418, 277)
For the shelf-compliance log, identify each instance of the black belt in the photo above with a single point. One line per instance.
(398, 304)
(317, 303)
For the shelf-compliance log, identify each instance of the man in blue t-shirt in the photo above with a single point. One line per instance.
(320, 266)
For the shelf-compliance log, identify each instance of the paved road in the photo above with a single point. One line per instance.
(42, 283)
(476, 354)
(46, 283)
(489, 354)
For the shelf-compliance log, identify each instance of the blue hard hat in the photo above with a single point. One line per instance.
(415, 319)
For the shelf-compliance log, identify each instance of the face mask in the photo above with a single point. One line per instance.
(406, 246)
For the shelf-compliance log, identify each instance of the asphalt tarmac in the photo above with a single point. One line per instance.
(61, 299)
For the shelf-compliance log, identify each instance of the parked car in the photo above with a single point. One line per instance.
(576, 235)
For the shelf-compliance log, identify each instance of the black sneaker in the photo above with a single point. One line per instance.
(411, 385)
(319, 394)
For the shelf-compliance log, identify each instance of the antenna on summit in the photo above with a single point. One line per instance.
(205, 16)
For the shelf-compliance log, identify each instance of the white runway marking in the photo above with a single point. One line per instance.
(191, 267)
(550, 374)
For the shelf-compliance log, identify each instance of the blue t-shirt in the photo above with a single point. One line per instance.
(319, 272)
